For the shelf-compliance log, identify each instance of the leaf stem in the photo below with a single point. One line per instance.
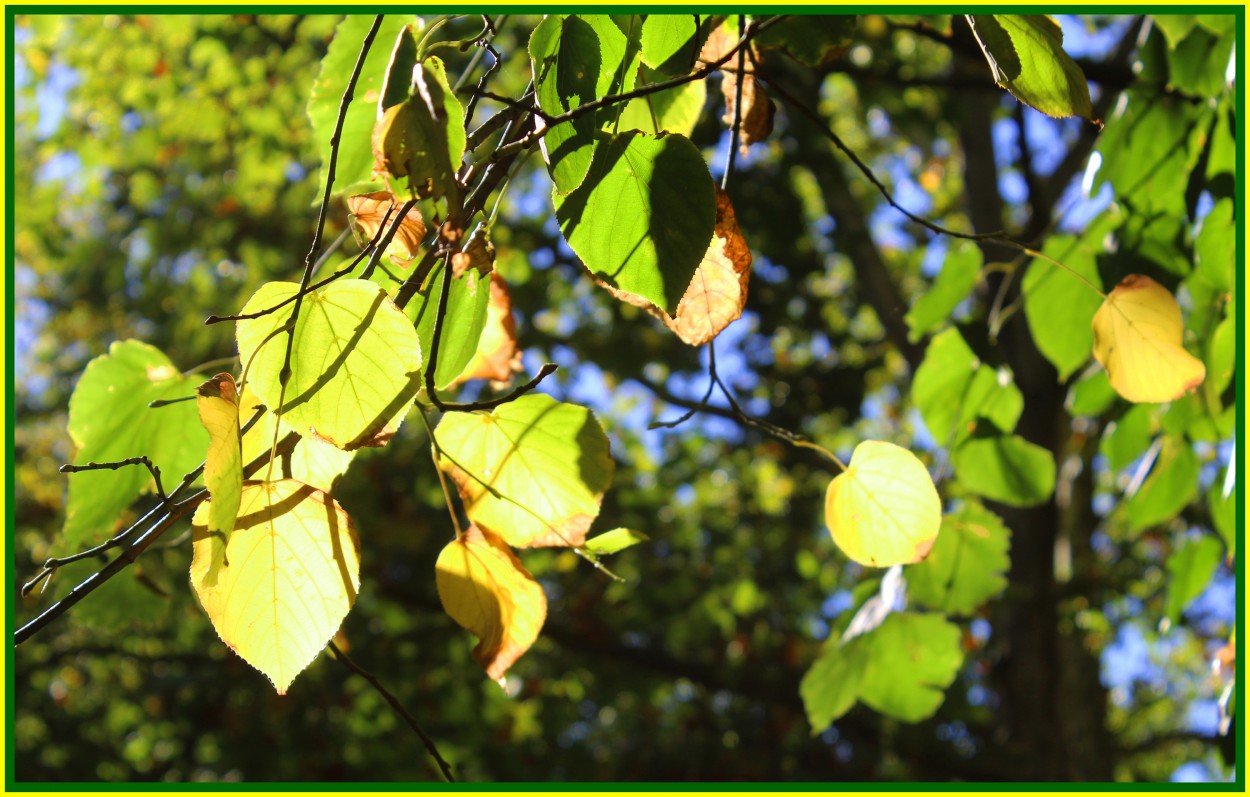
(435, 452)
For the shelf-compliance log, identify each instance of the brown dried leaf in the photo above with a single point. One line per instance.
(758, 109)
(715, 297)
(477, 253)
(367, 212)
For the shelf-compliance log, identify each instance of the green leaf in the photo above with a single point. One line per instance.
(355, 360)
(1175, 27)
(575, 59)
(812, 39)
(1216, 247)
(423, 139)
(831, 686)
(1026, 57)
(614, 541)
(1190, 568)
(1223, 510)
(1092, 394)
(967, 565)
(674, 110)
(1197, 65)
(355, 159)
(644, 218)
(1005, 468)
(1059, 307)
(1171, 485)
(1148, 150)
(533, 471)
(914, 658)
(397, 86)
(462, 328)
(900, 669)
(670, 43)
(953, 284)
(952, 389)
(109, 420)
(1221, 358)
(1127, 438)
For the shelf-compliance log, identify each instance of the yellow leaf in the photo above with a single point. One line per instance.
(883, 510)
(484, 588)
(291, 575)
(313, 461)
(218, 405)
(718, 291)
(1137, 338)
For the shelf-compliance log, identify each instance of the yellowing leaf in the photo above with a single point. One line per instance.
(313, 462)
(291, 573)
(218, 405)
(484, 588)
(718, 292)
(355, 360)
(533, 471)
(497, 356)
(368, 213)
(883, 510)
(1137, 338)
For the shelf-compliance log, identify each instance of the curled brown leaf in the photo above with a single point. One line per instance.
(367, 213)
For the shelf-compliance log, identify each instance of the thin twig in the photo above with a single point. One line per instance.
(390, 698)
(435, 452)
(144, 461)
(735, 131)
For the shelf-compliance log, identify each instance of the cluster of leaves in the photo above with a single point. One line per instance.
(329, 368)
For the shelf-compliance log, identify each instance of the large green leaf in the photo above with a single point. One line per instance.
(644, 218)
(670, 42)
(576, 59)
(1057, 305)
(532, 471)
(1148, 151)
(109, 420)
(355, 360)
(952, 389)
(1127, 438)
(1026, 57)
(1216, 247)
(1190, 568)
(1197, 64)
(462, 326)
(1223, 510)
(674, 110)
(968, 564)
(900, 669)
(953, 284)
(1005, 468)
(1171, 485)
(355, 159)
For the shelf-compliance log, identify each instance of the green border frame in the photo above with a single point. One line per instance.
(1238, 785)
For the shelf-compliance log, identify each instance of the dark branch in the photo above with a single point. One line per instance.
(147, 463)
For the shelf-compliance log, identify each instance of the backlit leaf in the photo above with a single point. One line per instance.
(670, 42)
(109, 420)
(1026, 57)
(1190, 569)
(313, 462)
(901, 669)
(468, 305)
(355, 360)
(1171, 485)
(532, 471)
(575, 59)
(812, 39)
(674, 110)
(355, 159)
(485, 588)
(218, 405)
(1137, 338)
(290, 575)
(614, 541)
(1005, 468)
(953, 284)
(968, 564)
(642, 221)
(718, 292)
(497, 356)
(952, 389)
(369, 211)
(883, 510)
